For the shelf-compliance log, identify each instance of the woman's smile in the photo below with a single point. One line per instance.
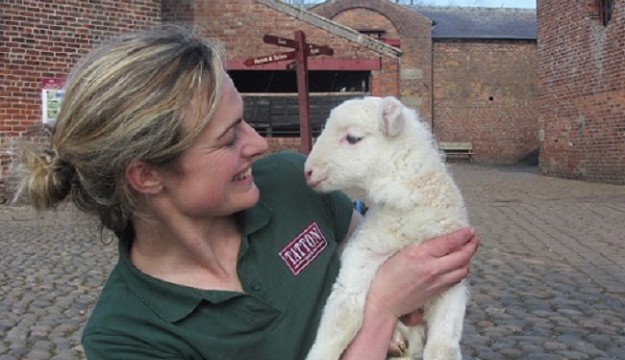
(243, 176)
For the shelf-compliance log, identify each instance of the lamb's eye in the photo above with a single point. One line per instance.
(351, 139)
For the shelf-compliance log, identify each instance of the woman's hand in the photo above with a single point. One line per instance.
(408, 279)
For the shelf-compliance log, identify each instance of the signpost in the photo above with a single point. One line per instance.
(312, 49)
(300, 53)
(261, 60)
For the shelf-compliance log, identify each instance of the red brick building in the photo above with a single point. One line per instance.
(484, 81)
(468, 74)
(581, 91)
(43, 40)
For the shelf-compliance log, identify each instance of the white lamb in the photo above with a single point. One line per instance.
(379, 146)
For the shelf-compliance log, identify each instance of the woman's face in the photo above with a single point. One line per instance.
(214, 177)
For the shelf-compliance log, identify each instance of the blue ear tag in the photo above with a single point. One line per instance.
(359, 206)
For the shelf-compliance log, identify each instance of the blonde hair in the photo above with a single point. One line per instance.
(125, 101)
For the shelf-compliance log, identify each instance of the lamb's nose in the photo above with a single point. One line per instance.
(308, 173)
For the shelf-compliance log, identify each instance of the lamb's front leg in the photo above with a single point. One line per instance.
(445, 317)
(344, 310)
(407, 342)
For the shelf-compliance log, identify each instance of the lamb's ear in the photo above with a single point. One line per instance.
(392, 120)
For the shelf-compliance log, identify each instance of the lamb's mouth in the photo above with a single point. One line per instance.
(315, 184)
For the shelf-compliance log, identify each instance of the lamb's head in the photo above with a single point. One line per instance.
(358, 141)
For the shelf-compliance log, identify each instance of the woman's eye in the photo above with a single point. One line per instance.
(351, 139)
(235, 134)
(233, 141)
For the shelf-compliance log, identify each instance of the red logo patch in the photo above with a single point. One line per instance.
(302, 250)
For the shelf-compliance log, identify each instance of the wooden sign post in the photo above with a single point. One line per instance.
(300, 53)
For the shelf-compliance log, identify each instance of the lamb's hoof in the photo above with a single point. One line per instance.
(398, 347)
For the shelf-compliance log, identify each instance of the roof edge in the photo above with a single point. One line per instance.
(485, 37)
(333, 27)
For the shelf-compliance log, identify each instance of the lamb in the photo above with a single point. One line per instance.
(379, 146)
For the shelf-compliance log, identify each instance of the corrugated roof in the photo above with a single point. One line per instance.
(480, 23)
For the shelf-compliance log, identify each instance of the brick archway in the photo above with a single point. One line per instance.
(415, 32)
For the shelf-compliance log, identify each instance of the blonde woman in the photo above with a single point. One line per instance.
(221, 256)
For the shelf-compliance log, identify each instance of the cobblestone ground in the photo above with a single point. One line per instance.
(548, 281)
(549, 278)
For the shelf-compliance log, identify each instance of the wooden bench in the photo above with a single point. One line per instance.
(455, 150)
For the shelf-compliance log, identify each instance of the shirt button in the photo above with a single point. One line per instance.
(257, 285)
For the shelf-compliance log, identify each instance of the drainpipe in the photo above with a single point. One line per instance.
(432, 79)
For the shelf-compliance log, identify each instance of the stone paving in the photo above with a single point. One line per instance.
(547, 283)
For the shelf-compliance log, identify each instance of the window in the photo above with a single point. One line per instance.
(250, 81)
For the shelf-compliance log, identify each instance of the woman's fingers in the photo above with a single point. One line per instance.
(446, 244)
(407, 280)
(461, 257)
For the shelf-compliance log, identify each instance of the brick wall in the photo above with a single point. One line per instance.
(43, 40)
(581, 91)
(410, 78)
(385, 80)
(484, 92)
(241, 24)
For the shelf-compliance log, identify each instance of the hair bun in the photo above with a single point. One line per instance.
(64, 170)
(49, 156)
(49, 180)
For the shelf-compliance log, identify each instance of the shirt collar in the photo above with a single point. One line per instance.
(254, 219)
(174, 302)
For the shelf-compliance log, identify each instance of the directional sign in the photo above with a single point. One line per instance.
(266, 59)
(280, 41)
(289, 55)
(313, 49)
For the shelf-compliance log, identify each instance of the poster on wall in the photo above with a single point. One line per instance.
(51, 96)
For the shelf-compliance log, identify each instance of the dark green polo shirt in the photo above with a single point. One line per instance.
(287, 264)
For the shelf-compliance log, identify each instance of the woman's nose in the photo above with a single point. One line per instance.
(258, 145)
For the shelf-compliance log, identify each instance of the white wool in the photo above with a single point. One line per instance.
(379, 146)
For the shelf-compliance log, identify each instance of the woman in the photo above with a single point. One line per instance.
(219, 257)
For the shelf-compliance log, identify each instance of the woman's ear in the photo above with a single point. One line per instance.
(143, 178)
